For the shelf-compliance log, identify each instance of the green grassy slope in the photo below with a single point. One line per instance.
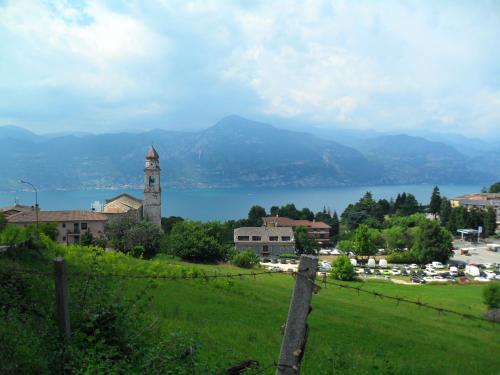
(349, 333)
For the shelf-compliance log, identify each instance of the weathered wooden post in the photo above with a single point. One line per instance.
(294, 339)
(62, 297)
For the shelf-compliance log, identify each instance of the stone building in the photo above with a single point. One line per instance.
(71, 225)
(316, 230)
(479, 200)
(123, 204)
(265, 241)
(152, 188)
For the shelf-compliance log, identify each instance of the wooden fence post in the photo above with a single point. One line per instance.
(62, 297)
(294, 339)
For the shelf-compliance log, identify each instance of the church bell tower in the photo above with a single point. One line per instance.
(152, 188)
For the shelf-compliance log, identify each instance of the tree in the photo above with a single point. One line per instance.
(406, 204)
(245, 259)
(346, 246)
(255, 216)
(168, 222)
(144, 234)
(495, 188)
(116, 230)
(445, 211)
(192, 241)
(432, 242)
(303, 243)
(490, 221)
(335, 230)
(435, 203)
(342, 269)
(491, 296)
(3, 221)
(364, 243)
(87, 239)
(396, 237)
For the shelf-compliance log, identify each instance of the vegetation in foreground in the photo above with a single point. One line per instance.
(195, 326)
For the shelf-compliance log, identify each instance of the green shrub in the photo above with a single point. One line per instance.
(137, 251)
(245, 259)
(401, 257)
(491, 295)
(342, 269)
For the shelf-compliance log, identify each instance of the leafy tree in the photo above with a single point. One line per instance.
(192, 241)
(49, 229)
(490, 221)
(435, 203)
(445, 211)
(432, 243)
(86, 239)
(13, 235)
(3, 221)
(495, 188)
(306, 214)
(245, 259)
(255, 216)
(346, 246)
(491, 296)
(117, 228)
(168, 222)
(365, 211)
(303, 243)
(406, 204)
(457, 219)
(342, 269)
(364, 243)
(396, 237)
(145, 234)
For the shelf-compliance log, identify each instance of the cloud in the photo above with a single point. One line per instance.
(383, 65)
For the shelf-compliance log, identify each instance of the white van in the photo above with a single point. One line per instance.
(472, 270)
(453, 271)
(437, 265)
(382, 263)
(371, 263)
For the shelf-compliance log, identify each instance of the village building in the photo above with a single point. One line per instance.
(479, 200)
(71, 225)
(316, 230)
(265, 241)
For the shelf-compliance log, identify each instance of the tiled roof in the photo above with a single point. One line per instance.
(286, 222)
(122, 204)
(57, 216)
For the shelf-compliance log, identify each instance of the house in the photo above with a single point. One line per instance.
(316, 230)
(479, 200)
(70, 224)
(265, 241)
(15, 209)
(123, 204)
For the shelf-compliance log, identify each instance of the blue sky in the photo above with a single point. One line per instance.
(132, 65)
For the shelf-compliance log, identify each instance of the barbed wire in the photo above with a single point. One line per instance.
(409, 301)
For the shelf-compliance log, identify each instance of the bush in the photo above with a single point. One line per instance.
(245, 259)
(491, 295)
(137, 251)
(342, 269)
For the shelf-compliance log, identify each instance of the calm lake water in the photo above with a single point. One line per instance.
(223, 204)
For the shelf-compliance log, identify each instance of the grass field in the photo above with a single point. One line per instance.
(240, 319)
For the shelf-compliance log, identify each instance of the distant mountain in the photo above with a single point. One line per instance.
(407, 159)
(234, 152)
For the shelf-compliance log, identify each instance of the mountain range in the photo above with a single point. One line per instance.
(236, 152)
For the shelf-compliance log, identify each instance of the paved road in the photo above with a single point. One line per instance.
(479, 254)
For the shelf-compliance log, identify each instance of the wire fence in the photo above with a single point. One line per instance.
(325, 281)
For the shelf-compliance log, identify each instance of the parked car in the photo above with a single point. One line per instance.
(396, 272)
(417, 280)
(404, 273)
(490, 275)
(481, 279)
(430, 272)
(293, 261)
(453, 271)
(437, 265)
(413, 266)
(266, 260)
(377, 272)
(275, 269)
(274, 260)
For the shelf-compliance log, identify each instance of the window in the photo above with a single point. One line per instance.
(151, 180)
(273, 238)
(243, 238)
(64, 225)
(285, 238)
(256, 238)
(84, 225)
(64, 238)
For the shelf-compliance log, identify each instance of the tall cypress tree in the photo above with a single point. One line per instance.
(435, 204)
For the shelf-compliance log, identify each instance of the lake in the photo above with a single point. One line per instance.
(223, 204)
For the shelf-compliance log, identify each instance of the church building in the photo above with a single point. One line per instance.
(148, 208)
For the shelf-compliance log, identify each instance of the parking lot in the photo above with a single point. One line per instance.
(477, 253)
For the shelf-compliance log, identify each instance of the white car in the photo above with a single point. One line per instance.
(453, 271)
(437, 265)
(430, 272)
(413, 266)
(275, 269)
(395, 272)
(482, 279)
(497, 277)
(488, 265)
(490, 275)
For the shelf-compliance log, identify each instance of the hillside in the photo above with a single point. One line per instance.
(235, 152)
(350, 333)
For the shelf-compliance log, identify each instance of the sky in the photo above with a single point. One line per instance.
(134, 65)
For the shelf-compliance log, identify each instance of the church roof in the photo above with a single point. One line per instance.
(152, 154)
(122, 203)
